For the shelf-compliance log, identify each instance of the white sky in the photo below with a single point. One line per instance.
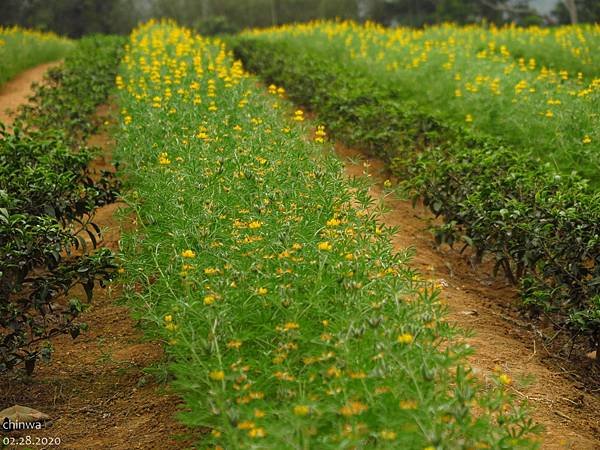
(544, 6)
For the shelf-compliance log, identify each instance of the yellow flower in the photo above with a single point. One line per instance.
(586, 139)
(259, 414)
(209, 300)
(333, 222)
(255, 224)
(168, 318)
(188, 254)
(408, 404)
(299, 115)
(405, 338)
(387, 184)
(505, 379)
(334, 372)
(262, 291)
(388, 435)
(234, 343)
(320, 134)
(246, 425)
(301, 410)
(217, 375)
(353, 409)
(216, 433)
(549, 114)
(257, 432)
(468, 118)
(326, 246)
(163, 159)
(284, 376)
(291, 326)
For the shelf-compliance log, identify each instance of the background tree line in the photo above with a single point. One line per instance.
(78, 17)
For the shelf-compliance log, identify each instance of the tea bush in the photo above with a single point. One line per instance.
(47, 199)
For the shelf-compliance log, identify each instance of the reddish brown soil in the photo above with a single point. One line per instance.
(486, 305)
(16, 91)
(95, 388)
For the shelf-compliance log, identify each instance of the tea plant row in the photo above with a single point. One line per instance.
(47, 198)
(288, 320)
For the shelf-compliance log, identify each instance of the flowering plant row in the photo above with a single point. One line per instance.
(21, 49)
(288, 320)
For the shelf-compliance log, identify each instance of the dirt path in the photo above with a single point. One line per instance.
(95, 388)
(476, 301)
(16, 91)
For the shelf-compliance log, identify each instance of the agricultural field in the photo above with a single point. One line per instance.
(21, 49)
(537, 89)
(479, 135)
(269, 282)
(288, 319)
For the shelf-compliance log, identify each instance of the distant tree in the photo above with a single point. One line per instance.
(577, 11)
(71, 17)
(422, 12)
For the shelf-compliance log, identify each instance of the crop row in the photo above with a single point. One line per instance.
(541, 229)
(288, 320)
(469, 76)
(21, 49)
(47, 198)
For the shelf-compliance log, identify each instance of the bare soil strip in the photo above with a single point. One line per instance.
(95, 388)
(15, 92)
(486, 305)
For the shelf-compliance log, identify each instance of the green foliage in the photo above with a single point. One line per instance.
(539, 227)
(21, 49)
(289, 320)
(47, 199)
(73, 18)
(70, 93)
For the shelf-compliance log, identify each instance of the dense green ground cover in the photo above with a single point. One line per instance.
(289, 322)
(474, 76)
(541, 228)
(21, 49)
(47, 199)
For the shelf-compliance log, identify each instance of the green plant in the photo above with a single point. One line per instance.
(539, 226)
(48, 196)
(21, 49)
(288, 320)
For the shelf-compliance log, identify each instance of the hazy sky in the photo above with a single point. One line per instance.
(544, 6)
